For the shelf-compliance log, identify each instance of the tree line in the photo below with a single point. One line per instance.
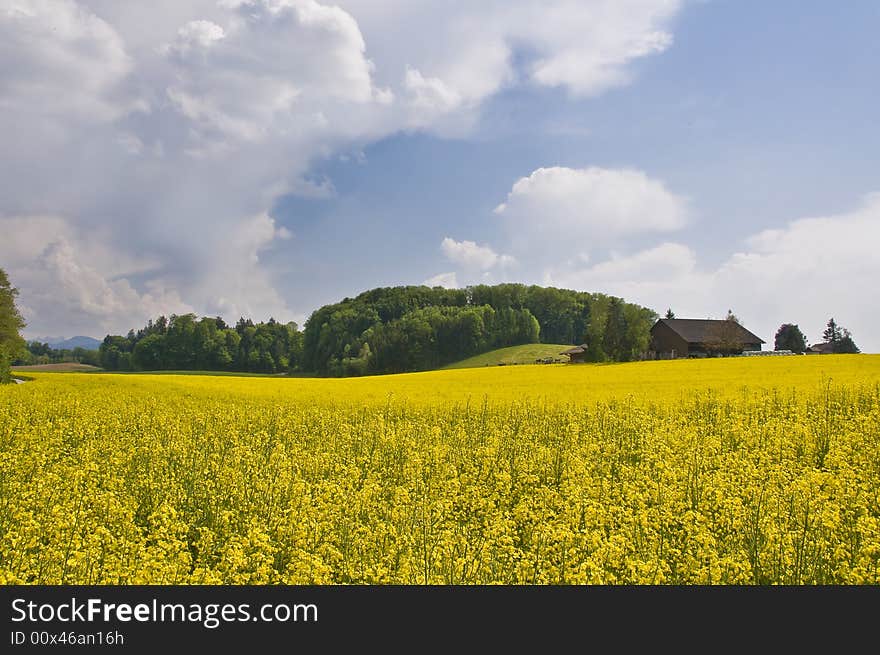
(413, 328)
(37, 352)
(185, 342)
(384, 330)
(389, 330)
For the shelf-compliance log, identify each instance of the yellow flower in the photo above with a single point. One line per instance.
(732, 471)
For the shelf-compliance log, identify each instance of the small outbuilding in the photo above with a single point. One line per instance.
(577, 354)
(820, 349)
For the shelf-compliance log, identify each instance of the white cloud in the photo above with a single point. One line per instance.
(245, 287)
(88, 296)
(429, 98)
(196, 34)
(446, 280)
(287, 69)
(810, 270)
(304, 188)
(587, 46)
(469, 255)
(231, 108)
(660, 276)
(585, 208)
(68, 278)
(157, 131)
(455, 55)
(803, 273)
(59, 60)
(25, 238)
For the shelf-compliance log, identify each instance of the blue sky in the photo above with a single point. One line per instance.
(268, 158)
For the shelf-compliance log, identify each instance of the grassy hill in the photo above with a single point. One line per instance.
(525, 354)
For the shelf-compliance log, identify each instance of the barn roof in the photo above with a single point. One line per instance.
(576, 350)
(705, 330)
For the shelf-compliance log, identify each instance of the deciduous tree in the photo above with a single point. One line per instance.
(790, 337)
(11, 323)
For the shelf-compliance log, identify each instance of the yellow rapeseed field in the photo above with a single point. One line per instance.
(740, 470)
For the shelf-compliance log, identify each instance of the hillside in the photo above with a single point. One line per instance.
(525, 354)
(419, 328)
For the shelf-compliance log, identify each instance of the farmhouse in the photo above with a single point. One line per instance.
(694, 337)
(576, 355)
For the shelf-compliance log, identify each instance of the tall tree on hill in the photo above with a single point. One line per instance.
(832, 333)
(790, 337)
(11, 323)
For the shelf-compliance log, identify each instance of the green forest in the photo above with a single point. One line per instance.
(390, 330)
(185, 343)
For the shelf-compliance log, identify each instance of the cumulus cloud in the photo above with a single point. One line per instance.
(469, 255)
(173, 153)
(810, 270)
(457, 55)
(446, 280)
(198, 35)
(429, 98)
(587, 46)
(88, 297)
(158, 135)
(276, 69)
(69, 278)
(802, 273)
(660, 276)
(47, 46)
(587, 207)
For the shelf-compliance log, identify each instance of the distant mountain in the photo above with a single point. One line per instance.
(59, 343)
